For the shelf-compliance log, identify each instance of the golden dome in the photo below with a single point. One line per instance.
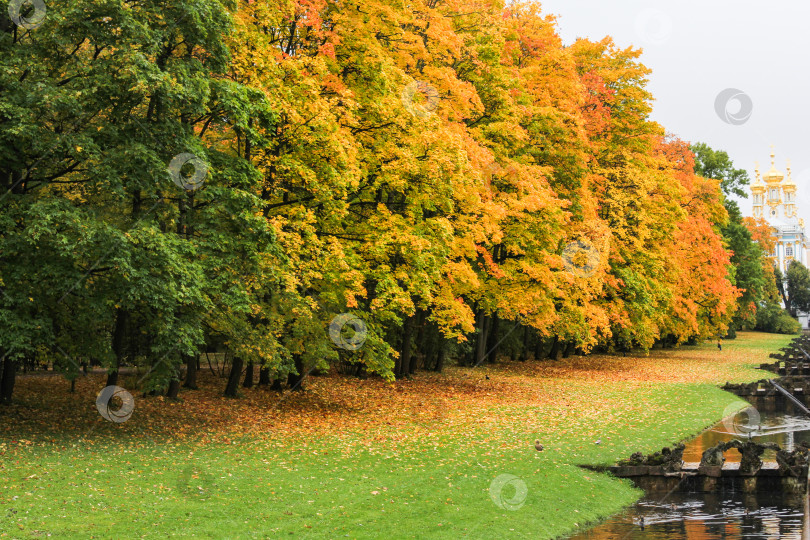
(773, 176)
(757, 186)
(789, 182)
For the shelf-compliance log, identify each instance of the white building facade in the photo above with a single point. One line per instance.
(774, 200)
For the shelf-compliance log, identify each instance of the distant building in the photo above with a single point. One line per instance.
(775, 201)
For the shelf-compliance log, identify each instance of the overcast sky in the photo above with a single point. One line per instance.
(698, 49)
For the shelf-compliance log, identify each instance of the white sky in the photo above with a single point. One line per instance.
(696, 50)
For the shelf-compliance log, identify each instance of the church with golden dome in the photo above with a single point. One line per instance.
(775, 201)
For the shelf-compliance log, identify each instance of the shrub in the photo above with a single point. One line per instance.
(772, 318)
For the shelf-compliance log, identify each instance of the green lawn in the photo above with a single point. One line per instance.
(438, 478)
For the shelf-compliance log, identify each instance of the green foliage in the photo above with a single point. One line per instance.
(747, 257)
(95, 226)
(746, 266)
(717, 165)
(798, 288)
(772, 318)
(326, 190)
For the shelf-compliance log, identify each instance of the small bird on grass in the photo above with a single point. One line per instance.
(598, 441)
(487, 376)
(538, 446)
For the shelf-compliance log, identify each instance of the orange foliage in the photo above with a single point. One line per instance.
(442, 157)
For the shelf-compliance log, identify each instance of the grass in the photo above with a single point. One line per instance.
(442, 456)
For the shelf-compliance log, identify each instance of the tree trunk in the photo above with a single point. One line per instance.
(430, 347)
(184, 230)
(781, 288)
(406, 350)
(493, 346)
(420, 342)
(570, 348)
(555, 348)
(192, 364)
(264, 376)
(418, 348)
(539, 346)
(248, 382)
(440, 358)
(174, 387)
(8, 376)
(524, 353)
(277, 385)
(295, 381)
(481, 341)
(233, 379)
(119, 333)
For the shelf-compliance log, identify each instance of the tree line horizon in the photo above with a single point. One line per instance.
(217, 175)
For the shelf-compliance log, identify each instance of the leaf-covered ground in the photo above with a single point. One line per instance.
(441, 455)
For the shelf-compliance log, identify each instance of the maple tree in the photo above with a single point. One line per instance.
(762, 235)
(447, 172)
(769, 315)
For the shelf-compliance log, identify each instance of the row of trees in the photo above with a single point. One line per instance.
(231, 175)
(750, 242)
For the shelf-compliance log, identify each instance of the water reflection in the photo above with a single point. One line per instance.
(706, 517)
(781, 422)
(724, 514)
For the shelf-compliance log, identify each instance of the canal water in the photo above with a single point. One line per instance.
(709, 516)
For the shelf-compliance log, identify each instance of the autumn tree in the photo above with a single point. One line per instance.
(449, 174)
(748, 270)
